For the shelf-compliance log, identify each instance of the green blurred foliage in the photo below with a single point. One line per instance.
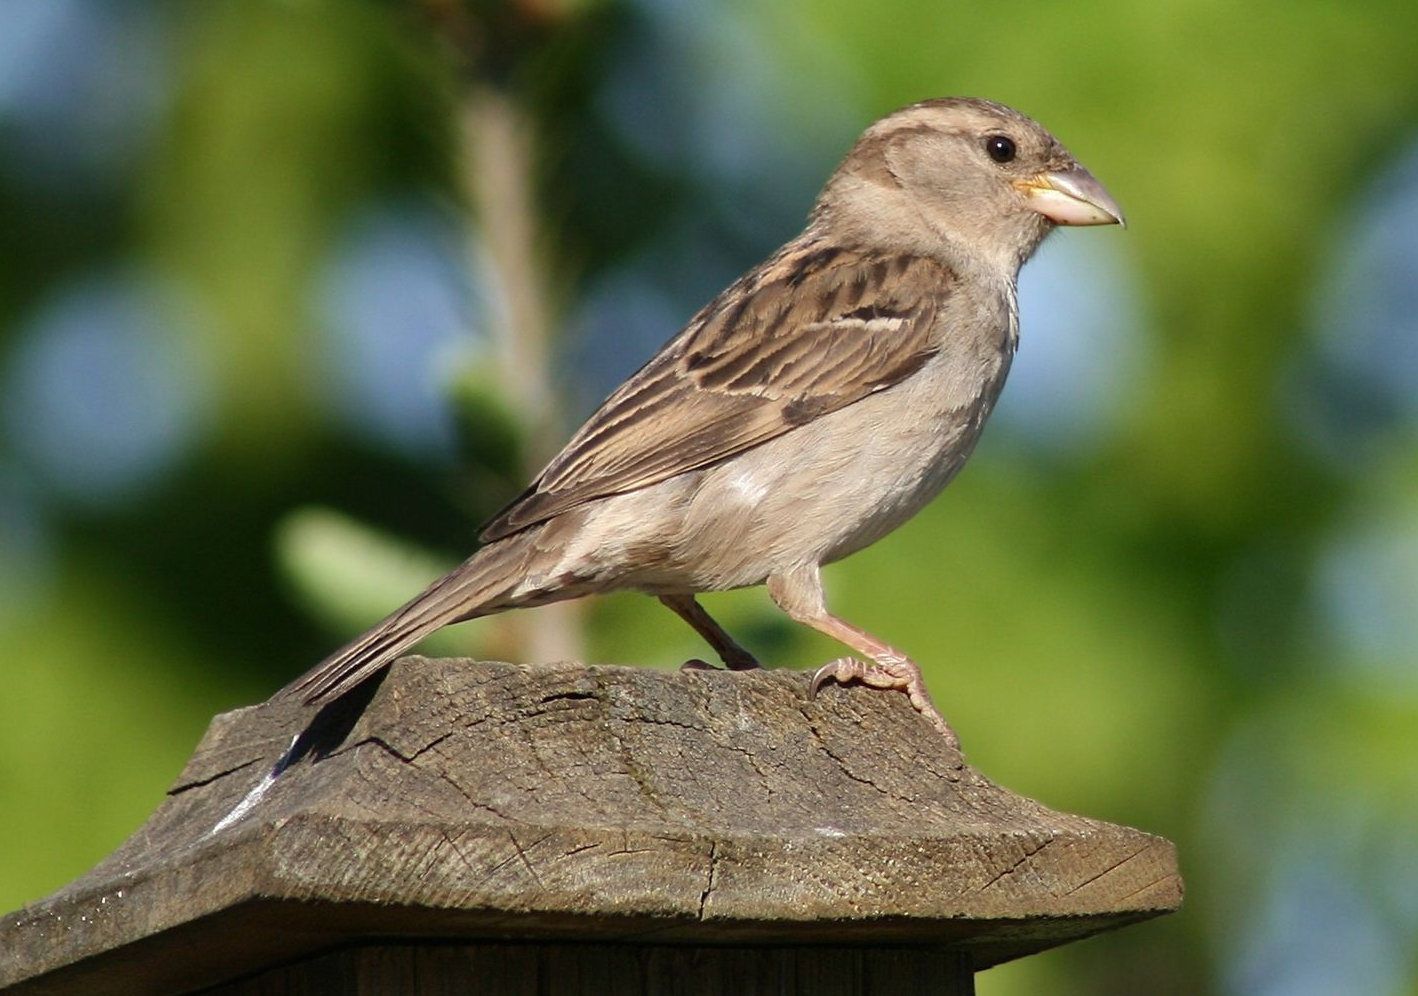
(284, 117)
(1129, 634)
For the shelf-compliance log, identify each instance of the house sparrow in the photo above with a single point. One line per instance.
(811, 408)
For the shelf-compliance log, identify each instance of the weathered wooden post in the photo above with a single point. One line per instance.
(564, 829)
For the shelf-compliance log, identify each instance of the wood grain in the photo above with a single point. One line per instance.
(580, 805)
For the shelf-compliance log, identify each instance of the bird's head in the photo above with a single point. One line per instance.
(961, 174)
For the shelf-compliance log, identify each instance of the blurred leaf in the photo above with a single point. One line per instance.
(350, 574)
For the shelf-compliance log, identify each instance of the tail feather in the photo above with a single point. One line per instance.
(473, 589)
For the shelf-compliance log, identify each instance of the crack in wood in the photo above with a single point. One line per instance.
(177, 790)
(1029, 852)
(1151, 885)
(526, 861)
(1106, 871)
(713, 873)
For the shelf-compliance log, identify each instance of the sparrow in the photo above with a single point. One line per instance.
(811, 408)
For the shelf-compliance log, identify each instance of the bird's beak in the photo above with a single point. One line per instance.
(1071, 197)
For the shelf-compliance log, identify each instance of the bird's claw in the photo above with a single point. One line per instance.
(844, 670)
(898, 673)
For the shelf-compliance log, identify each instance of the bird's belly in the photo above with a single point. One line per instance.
(824, 490)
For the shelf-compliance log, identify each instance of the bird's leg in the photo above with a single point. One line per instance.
(735, 657)
(799, 594)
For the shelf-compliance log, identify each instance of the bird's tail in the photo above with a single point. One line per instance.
(479, 586)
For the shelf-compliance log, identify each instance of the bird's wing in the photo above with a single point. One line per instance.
(812, 330)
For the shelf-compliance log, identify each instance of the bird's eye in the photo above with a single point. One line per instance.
(1000, 148)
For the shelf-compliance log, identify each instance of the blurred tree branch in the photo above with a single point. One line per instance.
(488, 42)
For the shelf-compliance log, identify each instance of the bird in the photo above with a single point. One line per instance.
(809, 409)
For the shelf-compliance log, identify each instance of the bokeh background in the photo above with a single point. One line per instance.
(294, 292)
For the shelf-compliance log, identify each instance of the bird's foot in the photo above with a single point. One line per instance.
(898, 673)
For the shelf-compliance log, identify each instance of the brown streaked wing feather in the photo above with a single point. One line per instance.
(811, 331)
